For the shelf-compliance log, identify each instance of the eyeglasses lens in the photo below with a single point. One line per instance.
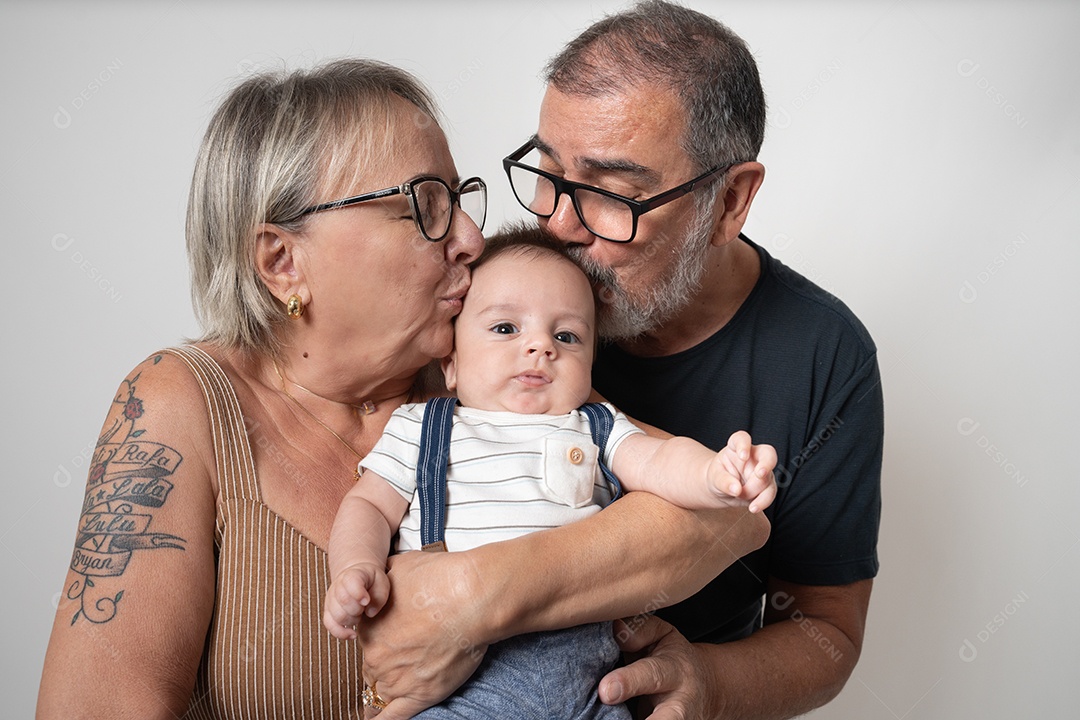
(433, 207)
(535, 192)
(605, 216)
(473, 200)
(602, 215)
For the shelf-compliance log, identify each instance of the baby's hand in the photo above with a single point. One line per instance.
(743, 470)
(358, 590)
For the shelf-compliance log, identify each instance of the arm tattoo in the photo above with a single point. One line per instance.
(127, 479)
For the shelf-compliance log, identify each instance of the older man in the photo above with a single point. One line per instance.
(644, 163)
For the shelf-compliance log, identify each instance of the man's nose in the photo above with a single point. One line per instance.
(565, 225)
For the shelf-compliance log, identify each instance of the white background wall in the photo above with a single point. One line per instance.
(922, 165)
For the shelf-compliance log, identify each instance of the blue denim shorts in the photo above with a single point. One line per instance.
(539, 676)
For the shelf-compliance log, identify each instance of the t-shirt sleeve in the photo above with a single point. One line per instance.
(621, 430)
(826, 531)
(397, 453)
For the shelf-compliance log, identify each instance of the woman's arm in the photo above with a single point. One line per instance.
(639, 554)
(138, 596)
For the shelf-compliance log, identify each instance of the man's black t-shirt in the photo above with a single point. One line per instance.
(796, 369)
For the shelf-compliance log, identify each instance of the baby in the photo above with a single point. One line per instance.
(520, 450)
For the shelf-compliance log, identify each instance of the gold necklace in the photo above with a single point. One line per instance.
(365, 408)
(368, 408)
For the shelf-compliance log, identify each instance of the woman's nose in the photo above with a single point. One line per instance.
(465, 242)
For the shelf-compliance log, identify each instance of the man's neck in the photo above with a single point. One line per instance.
(732, 273)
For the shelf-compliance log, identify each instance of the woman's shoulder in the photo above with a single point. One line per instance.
(161, 407)
(164, 390)
(166, 374)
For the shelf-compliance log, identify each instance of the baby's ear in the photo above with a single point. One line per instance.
(449, 369)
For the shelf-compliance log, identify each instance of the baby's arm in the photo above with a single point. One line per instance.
(359, 543)
(685, 472)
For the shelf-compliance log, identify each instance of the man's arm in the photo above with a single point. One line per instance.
(799, 661)
(639, 554)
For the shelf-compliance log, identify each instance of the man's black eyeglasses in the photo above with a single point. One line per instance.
(603, 213)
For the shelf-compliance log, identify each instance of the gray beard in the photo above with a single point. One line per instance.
(622, 316)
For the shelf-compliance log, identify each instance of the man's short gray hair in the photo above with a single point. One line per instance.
(696, 58)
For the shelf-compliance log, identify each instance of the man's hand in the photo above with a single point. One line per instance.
(798, 661)
(669, 676)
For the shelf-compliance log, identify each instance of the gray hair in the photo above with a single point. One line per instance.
(698, 59)
(278, 141)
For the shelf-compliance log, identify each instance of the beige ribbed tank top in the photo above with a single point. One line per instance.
(267, 653)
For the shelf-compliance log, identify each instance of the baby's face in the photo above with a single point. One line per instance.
(525, 337)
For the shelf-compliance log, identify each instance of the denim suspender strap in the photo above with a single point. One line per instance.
(600, 423)
(431, 471)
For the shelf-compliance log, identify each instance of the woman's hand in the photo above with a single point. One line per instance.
(427, 640)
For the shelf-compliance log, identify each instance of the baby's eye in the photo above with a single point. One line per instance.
(504, 328)
(565, 336)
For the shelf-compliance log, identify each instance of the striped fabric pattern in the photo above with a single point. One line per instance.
(267, 653)
(509, 474)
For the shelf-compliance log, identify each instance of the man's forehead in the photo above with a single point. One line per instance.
(636, 133)
(618, 164)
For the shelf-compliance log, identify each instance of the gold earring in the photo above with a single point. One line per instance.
(294, 307)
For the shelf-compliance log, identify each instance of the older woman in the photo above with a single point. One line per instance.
(329, 233)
